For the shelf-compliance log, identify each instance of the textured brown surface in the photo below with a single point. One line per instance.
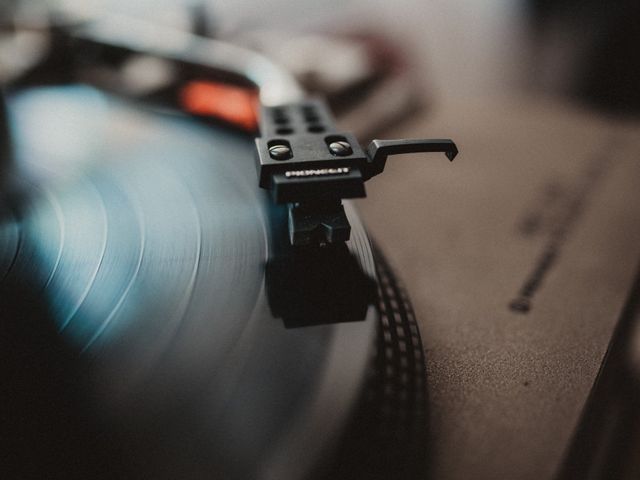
(506, 388)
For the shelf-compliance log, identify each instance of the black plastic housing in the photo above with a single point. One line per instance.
(311, 171)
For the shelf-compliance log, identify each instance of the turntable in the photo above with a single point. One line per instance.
(166, 317)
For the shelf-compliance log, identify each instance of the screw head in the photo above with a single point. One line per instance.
(340, 148)
(280, 152)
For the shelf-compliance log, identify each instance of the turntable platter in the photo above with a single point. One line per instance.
(138, 246)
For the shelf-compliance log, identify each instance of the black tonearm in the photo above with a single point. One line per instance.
(306, 163)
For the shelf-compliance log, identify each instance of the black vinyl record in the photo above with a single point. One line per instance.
(156, 322)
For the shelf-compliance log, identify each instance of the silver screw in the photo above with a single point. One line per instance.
(340, 148)
(280, 152)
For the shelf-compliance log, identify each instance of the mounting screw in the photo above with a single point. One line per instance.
(340, 148)
(280, 152)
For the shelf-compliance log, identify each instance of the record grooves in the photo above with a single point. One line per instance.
(156, 283)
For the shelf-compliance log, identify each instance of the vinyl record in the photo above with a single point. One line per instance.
(156, 323)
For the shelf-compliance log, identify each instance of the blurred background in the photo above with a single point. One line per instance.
(585, 51)
(519, 258)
